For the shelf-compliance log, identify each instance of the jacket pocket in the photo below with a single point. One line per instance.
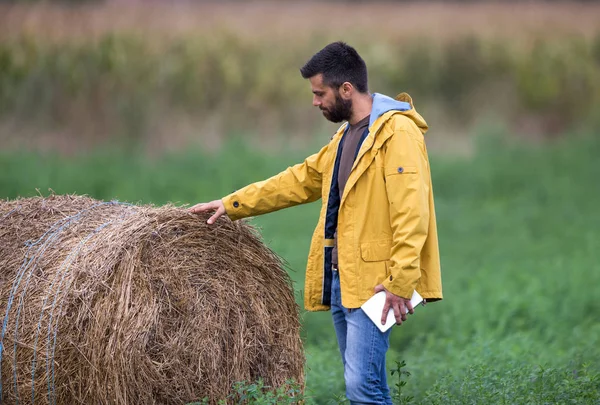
(376, 251)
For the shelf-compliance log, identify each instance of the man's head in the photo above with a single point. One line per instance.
(337, 76)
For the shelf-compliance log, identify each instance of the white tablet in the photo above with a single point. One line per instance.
(374, 308)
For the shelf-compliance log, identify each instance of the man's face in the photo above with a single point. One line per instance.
(330, 102)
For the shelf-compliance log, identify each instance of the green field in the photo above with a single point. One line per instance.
(519, 235)
(151, 103)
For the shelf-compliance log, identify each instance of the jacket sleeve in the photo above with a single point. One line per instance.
(299, 184)
(407, 186)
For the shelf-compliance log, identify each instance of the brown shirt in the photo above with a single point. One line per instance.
(351, 140)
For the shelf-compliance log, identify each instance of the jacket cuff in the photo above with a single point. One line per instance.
(233, 207)
(403, 290)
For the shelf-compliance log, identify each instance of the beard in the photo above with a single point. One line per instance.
(340, 111)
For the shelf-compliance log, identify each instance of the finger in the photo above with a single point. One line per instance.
(398, 314)
(403, 309)
(219, 213)
(409, 307)
(215, 216)
(196, 208)
(386, 309)
(202, 207)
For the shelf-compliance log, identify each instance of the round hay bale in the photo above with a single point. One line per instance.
(110, 303)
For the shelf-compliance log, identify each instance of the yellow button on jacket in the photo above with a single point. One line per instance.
(385, 220)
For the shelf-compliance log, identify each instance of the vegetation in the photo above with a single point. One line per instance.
(244, 393)
(518, 236)
(518, 224)
(124, 84)
(141, 83)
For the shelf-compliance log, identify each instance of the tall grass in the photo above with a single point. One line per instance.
(519, 244)
(125, 86)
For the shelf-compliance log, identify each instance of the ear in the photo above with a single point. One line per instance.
(346, 90)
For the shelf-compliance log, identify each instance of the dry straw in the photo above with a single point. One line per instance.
(109, 303)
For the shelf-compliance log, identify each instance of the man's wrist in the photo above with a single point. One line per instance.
(232, 206)
(399, 292)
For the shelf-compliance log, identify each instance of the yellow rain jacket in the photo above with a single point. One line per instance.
(385, 219)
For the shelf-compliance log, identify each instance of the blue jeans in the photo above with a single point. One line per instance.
(363, 347)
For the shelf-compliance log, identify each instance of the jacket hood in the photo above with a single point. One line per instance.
(402, 103)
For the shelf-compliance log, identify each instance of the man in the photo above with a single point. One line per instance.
(377, 229)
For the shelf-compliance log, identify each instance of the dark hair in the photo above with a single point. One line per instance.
(339, 63)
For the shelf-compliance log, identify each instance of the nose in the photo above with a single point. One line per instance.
(316, 101)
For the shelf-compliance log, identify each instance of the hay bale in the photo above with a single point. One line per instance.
(106, 303)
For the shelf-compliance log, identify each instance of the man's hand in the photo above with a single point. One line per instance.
(216, 205)
(400, 306)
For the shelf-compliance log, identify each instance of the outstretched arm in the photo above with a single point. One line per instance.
(296, 185)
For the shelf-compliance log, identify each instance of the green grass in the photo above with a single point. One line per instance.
(519, 236)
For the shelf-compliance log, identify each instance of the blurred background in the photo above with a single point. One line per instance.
(183, 101)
